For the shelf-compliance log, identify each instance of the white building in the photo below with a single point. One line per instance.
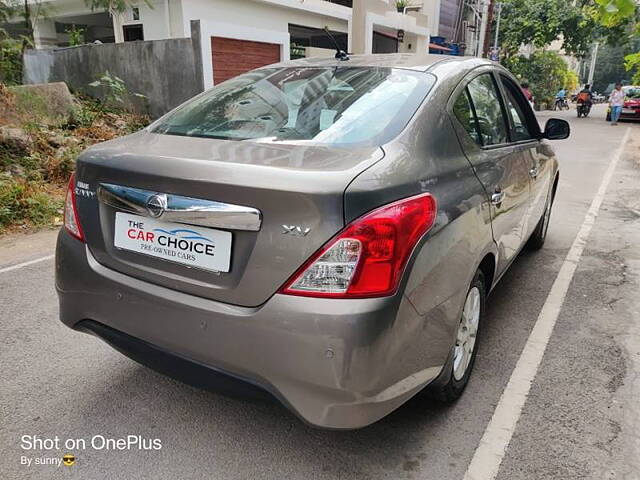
(238, 35)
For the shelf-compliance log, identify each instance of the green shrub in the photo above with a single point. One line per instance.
(546, 73)
(11, 193)
(10, 60)
(24, 201)
(85, 113)
(115, 92)
(42, 208)
(60, 166)
(76, 35)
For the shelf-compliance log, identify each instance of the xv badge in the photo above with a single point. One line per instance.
(295, 230)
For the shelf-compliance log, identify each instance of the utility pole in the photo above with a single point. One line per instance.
(484, 14)
(498, 7)
(594, 58)
(486, 40)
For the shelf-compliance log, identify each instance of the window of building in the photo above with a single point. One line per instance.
(135, 13)
(131, 33)
(97, 26)
(301, 37)
(384, 43)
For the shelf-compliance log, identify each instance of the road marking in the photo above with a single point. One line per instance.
(494, 442)
(25, 264)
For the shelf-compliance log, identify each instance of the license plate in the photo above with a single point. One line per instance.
(628, 110)
(196, 247)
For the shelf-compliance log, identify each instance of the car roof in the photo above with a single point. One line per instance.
(410, 61)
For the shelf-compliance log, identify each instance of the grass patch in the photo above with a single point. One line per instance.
(29, 202)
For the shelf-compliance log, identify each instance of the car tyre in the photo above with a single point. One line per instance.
(539, 235)
(466, 345)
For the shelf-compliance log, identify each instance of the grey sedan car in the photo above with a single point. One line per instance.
(324, 232)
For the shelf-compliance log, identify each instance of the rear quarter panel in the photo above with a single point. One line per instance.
(427, 158)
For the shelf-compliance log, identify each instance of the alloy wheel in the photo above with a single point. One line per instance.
(467, 333)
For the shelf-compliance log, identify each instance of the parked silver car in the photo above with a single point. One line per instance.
(324, 231)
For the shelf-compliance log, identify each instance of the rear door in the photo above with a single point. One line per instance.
(483, 129)
(526, 134)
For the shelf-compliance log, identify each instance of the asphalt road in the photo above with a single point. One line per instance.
(581, 419)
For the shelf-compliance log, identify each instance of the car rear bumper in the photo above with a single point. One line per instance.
(335, 363)
(173, 365)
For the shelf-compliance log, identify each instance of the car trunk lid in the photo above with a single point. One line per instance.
(296, 191)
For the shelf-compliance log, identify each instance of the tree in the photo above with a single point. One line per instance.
(611, 13)
(577, 23)
(540, 22)
(610, 66)
(622, 16)
(546, 72)
(631, 63)
(570, 81)
(29, 10)
(7, 10)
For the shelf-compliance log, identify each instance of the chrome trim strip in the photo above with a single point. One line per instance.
(179, 209)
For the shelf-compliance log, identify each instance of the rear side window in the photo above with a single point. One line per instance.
(318, 105)
(491, 123)
(515, 103)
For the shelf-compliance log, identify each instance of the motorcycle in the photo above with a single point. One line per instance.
(561, 103)
(583, 108)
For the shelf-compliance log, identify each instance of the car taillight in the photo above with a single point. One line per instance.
(367, 258)
(71, 220)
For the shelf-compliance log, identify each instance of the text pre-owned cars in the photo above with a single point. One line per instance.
(324, 231)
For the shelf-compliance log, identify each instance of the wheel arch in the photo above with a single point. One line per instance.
(556, 180)
(488, 268)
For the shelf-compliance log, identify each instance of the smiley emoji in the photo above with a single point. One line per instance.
(68, 459)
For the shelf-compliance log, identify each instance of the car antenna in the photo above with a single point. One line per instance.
(340, 54)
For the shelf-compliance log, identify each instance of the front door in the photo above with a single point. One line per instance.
(499, 163)
(525, 132)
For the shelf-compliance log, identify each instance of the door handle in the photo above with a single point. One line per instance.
(497, 197)
(533, 172)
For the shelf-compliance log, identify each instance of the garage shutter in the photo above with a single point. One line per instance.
(232, 57)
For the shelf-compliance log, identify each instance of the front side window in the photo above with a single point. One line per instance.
(514, 105)
(486, 101)
(317, 105)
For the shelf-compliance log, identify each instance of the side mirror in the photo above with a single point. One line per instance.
(556, 129)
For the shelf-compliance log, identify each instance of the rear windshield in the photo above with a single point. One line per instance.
(331, 106)
(633, 93)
